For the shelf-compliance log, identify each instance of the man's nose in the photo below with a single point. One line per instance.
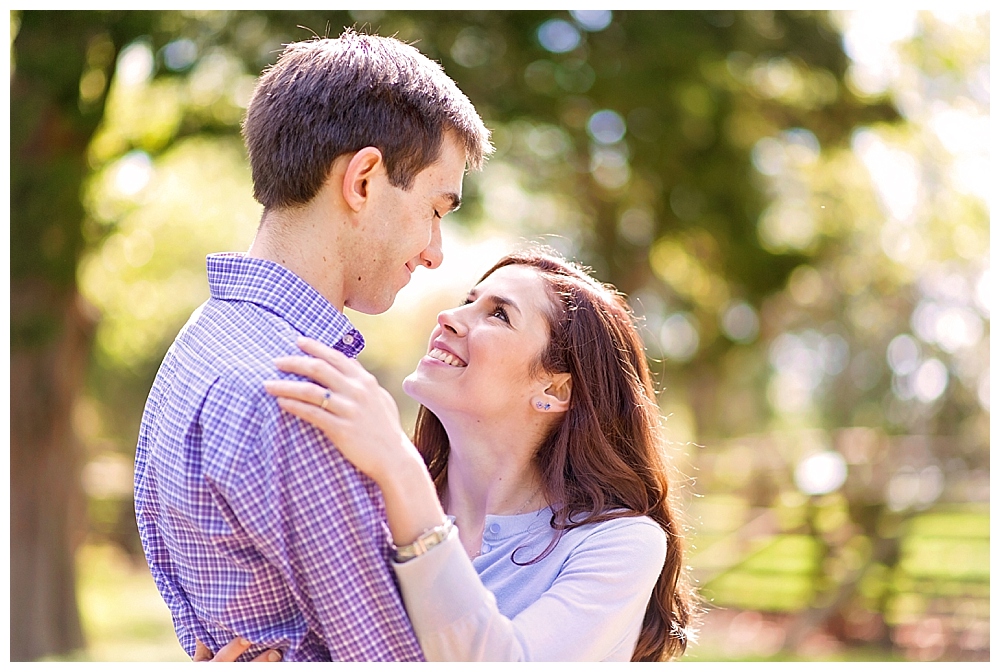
(433, 255)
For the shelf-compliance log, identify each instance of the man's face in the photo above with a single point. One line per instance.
(402, 230)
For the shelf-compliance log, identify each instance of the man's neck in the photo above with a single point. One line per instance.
(306, 245)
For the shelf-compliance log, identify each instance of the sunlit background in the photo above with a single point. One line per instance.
(797, 204)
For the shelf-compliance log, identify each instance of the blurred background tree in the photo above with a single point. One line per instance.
(795, 202)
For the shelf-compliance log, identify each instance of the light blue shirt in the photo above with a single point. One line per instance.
(584, 601)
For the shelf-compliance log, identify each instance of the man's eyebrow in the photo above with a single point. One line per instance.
(456, 201)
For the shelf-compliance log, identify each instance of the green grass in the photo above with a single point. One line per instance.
(862, 654)
(124, 617)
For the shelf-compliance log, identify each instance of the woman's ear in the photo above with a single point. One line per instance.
(555, 396)
(357, 176)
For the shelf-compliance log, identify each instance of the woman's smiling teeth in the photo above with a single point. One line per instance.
(446, 357)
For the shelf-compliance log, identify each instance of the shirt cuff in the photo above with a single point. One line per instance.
(441, 587)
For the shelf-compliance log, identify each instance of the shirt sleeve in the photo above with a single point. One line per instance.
(147, 506)
(590, 610)
(310, 515)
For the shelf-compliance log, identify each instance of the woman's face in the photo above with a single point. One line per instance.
(480, 356)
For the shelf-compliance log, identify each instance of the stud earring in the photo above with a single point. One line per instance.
(542, 407)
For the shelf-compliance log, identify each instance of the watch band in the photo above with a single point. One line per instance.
(427, 540)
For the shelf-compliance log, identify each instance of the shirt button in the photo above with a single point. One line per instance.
(486, 549)
(348, 339)
(495, 528)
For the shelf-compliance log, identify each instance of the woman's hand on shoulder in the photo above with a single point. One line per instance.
(231, 651)
(346, 402)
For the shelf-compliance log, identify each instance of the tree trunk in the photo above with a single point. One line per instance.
(51, 331)
(47, 506)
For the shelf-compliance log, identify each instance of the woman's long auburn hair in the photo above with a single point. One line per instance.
(604, 460)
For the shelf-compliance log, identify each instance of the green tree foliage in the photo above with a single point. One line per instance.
(725, 169)
(50, 329)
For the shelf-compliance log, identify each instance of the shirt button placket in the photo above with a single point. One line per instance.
(490, 533)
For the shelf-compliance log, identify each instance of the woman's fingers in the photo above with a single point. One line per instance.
(310, 367)
(348, 405)
(330, 375)
(348, 366)
(344, 376)
(269, 656)
(310, 402)
(231, 651)
(326, 366)
(309, 393)
(313, 347)
(329, 423)
(314, 415)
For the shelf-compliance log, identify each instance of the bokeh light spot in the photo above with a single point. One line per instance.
(180, 54)
(984, 292)
(930, 380)
(821, 473)
(593, 20)
(558, 36)
(135, 64)
(637, 225)
(739, 322)
(133, 172)
(610, 168)
(679, 337)
(470, 48)
(903, 354)
(606, 127)
(768, 156)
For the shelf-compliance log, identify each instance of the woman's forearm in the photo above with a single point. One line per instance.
(411, 501)
(454, 616)
(592, 610)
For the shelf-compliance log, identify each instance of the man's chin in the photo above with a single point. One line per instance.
(371, 306)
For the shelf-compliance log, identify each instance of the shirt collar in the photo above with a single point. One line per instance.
(233, 276)
(503, 527)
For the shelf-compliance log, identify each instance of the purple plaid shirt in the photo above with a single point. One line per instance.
(253, 524)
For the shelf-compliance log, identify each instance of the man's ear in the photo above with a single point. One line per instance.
(358, 174)
(555, 396)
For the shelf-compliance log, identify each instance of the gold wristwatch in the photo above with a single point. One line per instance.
(427, 540)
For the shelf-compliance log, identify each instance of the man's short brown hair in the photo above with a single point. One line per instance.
(327, 97)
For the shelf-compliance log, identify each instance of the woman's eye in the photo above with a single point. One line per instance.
(498, 311)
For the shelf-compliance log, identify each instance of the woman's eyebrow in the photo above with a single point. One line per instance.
(496, 299)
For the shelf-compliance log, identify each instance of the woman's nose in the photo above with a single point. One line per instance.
(451, 321)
